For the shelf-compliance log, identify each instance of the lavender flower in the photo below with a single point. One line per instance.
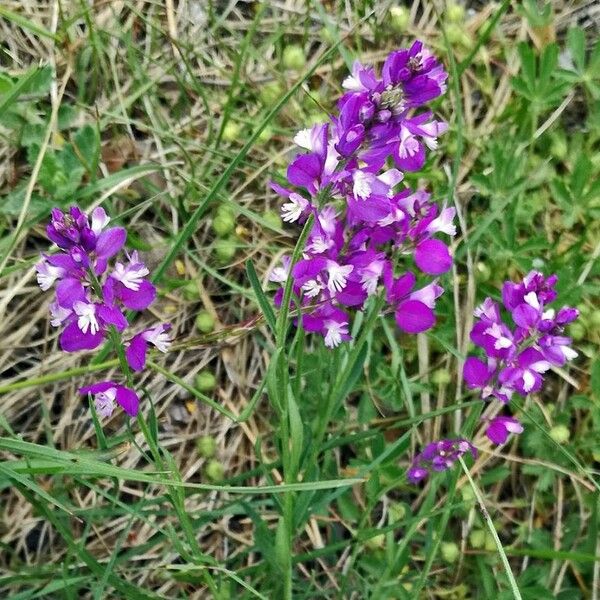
(91, 298)
(362, 218)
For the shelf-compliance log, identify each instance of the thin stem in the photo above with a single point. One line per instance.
(490, 524)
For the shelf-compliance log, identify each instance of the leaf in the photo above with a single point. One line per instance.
(86, 144)
(261, 298)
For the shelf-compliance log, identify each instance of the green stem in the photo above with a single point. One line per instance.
(490, 524)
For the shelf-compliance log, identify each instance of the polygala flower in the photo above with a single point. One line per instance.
(439, 456)
(517, 353)
(364, 217)
(91, 298)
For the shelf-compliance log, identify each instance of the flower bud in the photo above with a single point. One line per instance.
(207, 445)
(214, 470)
(190, 291)
(560, 434)
(270, 92)
(225, 249)
(450, 552)
(399, 18)
(232, 131)
(576, 331)
(205, 322)
(223, 225)
(293, 58)
(396, 511)
(477, 538)
(376, 542)
(490, 543)
(441, 377)
(455, 12)
(482, 272)
(205, 381)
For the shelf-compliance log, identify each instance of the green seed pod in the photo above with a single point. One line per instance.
(576, 331)
(190, 291)
(207, 446)
(223, 225)
(441, 377)
(482, 272)
(397, 512)
(205, 381)
(455, 12)
(205, 322)
(467, 494)
(595, 320)
(477, 538)
(376, 542)
(294, 58)
(214, 470)
(232, 131)
(490, 544)
(450, 552)
(399, 18)
(265, 135)
(270, 92)
(225, 249)
(454, 33)
(560, 434)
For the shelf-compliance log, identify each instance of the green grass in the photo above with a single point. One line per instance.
(314, 444)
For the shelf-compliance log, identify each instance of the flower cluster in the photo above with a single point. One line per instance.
(363, 218)
(91, 297)
(438, 456)
(516, 358)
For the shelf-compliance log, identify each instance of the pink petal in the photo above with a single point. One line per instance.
(432, 257)
(413, 316)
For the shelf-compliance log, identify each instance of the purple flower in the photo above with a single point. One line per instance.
(138, 346)
(433, 257)
(499, 428)
(439, 456)
(105, 394)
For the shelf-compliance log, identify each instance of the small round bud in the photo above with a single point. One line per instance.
(595, 319)
(205, 322)
(265, 135)
(455, 12)
(559, 148)
(399, 18)
(207, 446)
(450, 552)
(477, 538)
(560, 434)
(190, 291)
(225, 249)
(205, 381)
(270, 92)
(576, 331)
(482, 272)
(396, 511)
(467, 493)
(214, 470)
(293, 58)
(454, 33)
(490, 543)
(376, 542)
(232, 131)
(441, 377)
(223, 225)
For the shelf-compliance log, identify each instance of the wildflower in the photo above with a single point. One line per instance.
(439, 456)
(90, 298)
(106, 393)
(500, 427)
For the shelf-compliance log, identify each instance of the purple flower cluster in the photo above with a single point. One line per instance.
(362, 220)
(438, 456)
(516, 358)
(91, 297)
